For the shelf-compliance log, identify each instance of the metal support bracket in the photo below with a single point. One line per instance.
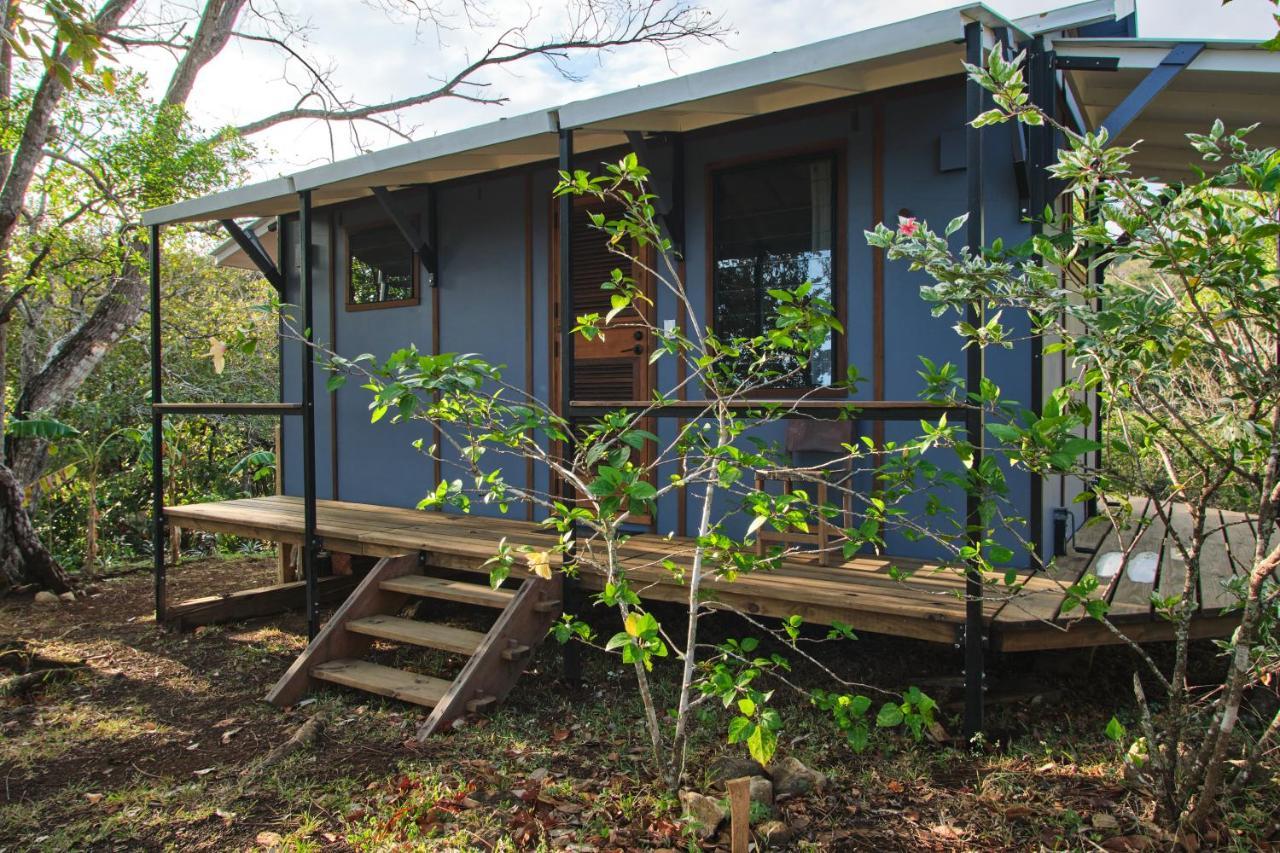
(1152, 85)
(669, 210)
(426, 251)
(252, 247)
(1086, 63)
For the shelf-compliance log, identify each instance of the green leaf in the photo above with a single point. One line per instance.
(890, 715)
(47, 429)
(762, 744)
(1115, 730)
(740, 728)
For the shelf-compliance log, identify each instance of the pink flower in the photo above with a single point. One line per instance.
(907, 225)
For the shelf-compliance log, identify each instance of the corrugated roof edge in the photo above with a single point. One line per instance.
(200, 209)
(420, 150)
(932, 29)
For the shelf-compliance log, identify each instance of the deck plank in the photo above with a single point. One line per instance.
(1130, 597)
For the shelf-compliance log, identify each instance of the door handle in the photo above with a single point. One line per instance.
(637, 349)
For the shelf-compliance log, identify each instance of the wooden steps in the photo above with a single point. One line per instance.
(428, 634)
(383, 680)
(496, 658)
(424, 586)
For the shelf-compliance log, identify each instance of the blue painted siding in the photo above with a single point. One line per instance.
(483, 254)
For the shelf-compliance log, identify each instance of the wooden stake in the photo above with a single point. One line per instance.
(739, 814)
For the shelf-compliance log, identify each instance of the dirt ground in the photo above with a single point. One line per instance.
(153, 739)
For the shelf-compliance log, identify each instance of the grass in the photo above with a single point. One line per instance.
(146, 746)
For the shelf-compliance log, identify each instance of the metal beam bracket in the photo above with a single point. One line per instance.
(425, 251)
(1152, 85)
(252, 247)
(1086, 63)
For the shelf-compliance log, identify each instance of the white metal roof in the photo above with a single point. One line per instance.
(1231, 79)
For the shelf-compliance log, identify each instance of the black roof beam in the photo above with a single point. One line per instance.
(1152, 85)
(426, 252)
(253, 249)
(1086, 63)
(669, 209)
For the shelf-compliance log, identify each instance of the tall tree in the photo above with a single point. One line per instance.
(66, 161)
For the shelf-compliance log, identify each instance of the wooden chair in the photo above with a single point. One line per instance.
(811, 437)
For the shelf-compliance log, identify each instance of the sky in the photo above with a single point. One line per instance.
(375, 56)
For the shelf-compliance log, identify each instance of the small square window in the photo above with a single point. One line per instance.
(381, 268)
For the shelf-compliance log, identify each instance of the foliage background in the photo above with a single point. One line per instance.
(201, 304)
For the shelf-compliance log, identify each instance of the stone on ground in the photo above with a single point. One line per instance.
(792, 779)
(705, 812)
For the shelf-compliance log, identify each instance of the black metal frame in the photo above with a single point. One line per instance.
(974, 640)
(305, 409)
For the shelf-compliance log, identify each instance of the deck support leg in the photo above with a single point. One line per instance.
(158, 544)
(310, 545)
(974, 661)
(571, 654)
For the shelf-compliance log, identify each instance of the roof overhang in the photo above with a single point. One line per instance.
(1230, 80)
(926, 47)
(501, 144)
(922, 48)
(266, 198)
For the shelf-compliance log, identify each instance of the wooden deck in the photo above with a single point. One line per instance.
(929, 605)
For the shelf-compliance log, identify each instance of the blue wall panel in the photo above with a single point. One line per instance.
(482, 247)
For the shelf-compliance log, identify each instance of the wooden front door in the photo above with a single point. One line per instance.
(614, 367)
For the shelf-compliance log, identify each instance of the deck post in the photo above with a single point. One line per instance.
(974, 661)
(157, 431)
(571, 656)
(1041, 141)
(309, 544)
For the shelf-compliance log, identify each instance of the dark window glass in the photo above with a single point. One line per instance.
(381, 266)
(774, 229)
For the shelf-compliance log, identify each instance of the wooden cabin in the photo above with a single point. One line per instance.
(454, 243)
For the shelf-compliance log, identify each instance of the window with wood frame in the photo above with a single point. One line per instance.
(382, 271)
(774, 226)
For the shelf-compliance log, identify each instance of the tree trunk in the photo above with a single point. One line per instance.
(25, 560)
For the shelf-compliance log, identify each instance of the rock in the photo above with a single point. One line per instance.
(762, 791)
(44, 598)
(728, 767)
(1105, 822)
(792, 779)
(68, 597)
(775, 833)
(705, 813)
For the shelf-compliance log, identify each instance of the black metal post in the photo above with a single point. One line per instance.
(571, 659)
(157, 432)
(283, 261)
(974, 662)
(309, 541)
(1042, 85)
